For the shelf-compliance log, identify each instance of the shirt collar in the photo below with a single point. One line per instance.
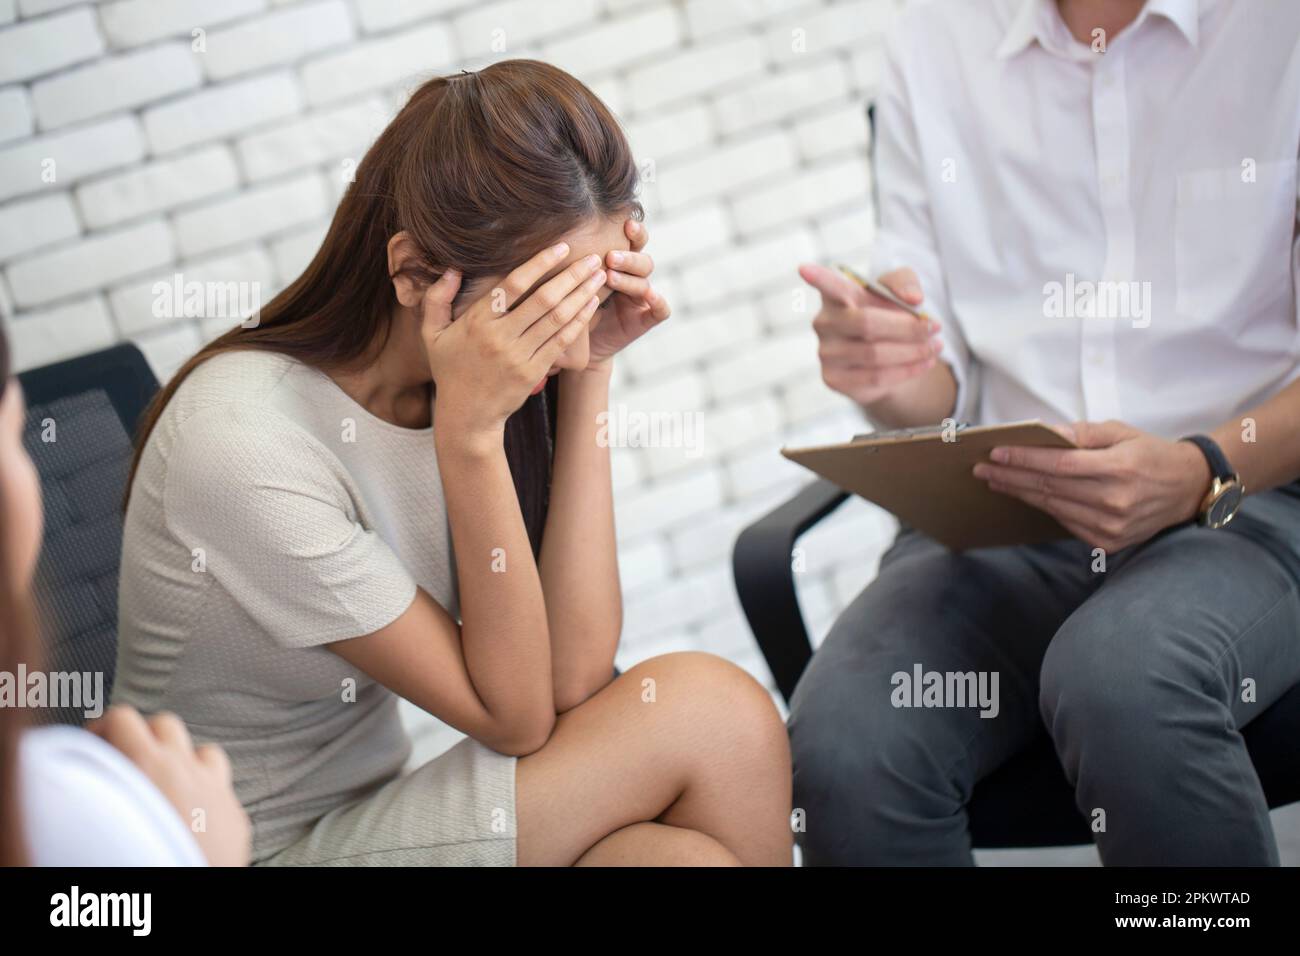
(1040, 20)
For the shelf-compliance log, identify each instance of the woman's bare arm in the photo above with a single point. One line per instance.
(579, 559)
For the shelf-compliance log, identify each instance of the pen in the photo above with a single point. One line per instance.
(875, 288)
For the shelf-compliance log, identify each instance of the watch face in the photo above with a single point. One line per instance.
(1223, 508)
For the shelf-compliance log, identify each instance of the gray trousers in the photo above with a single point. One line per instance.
(1141, 674)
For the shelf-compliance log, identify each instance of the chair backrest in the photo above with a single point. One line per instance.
(82, 415)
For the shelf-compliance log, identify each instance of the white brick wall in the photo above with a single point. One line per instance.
(127, 155)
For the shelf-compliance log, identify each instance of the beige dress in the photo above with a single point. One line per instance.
(272, 515)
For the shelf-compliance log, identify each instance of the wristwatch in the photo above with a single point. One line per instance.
(1226, 490)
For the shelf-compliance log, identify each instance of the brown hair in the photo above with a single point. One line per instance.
(17, 644)
(483, 170)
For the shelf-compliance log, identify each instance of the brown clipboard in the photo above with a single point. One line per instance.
(923, 476)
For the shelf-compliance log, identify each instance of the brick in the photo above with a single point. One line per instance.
(616, 43)
(133, 304)
(74, 155)
(848, 234)
(8, 11)
(50, 335)
(664, 135)
(115, 84)
(812, 36)
(220, 111)
(643, 565)
(764, 472)
(90, 264)
(868, 70)
(407, 57)
(292, 253)
(662, 506)
(755, 266)
(284, 36)
(254, 213)
(516, 23)
(37, 8)
(52, 43)
(330, 134)
(688, 233)
(779, 359)
(708, 17)
(31, 224)
(686, 338)
(377, 16)
(166, 350)
(724, 170)
(160, 185)
(687, 600)
(130, 23)
(841, 129)
(788, 93)
(696, 71)
(801, 197)
(15, 114)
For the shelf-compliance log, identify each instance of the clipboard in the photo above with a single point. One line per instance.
(923, 476)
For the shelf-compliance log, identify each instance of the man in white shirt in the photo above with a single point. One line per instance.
(1096, 201)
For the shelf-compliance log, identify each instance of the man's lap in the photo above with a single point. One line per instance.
(1211, 602)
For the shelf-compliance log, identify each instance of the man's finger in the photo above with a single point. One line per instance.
(835, 287)
(1067, 462)
(904, 284)
(1086, 491)
(1101, 434)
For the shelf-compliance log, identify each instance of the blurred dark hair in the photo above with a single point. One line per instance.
(483, 170)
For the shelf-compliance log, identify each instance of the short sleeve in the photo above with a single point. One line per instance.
(906, 237)
(267, 510)
(85, 804)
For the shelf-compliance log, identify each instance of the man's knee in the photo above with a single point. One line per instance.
(1116, 678)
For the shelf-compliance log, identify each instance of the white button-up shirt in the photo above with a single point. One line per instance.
(1103, 234)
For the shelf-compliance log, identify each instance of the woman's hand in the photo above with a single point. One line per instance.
(195, 780)
(1118, 489)
(486, 362)
(635, 307)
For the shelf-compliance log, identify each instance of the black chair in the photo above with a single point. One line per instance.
(1025, 803)
(81, 419)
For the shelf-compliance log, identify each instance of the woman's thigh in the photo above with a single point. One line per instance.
(627, 754)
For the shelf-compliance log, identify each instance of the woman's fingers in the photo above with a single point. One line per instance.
(437, 301)
(549, 295)
(521, 280)
(636, 233)
(170, 731)
(554, 347)
(633, 263)
(537, 334)
(126, 729)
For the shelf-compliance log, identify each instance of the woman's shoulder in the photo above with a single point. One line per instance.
(85, 804)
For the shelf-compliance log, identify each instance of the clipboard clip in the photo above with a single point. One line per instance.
(924, 431)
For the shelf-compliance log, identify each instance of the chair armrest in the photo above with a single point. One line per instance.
(761, 563)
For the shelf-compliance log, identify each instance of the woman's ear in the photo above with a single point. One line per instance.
(403, 253)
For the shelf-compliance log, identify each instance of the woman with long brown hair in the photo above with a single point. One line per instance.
(394, 485)
(120, 796)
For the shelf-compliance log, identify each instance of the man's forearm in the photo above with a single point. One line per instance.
(1263, 445)
(925, 400)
